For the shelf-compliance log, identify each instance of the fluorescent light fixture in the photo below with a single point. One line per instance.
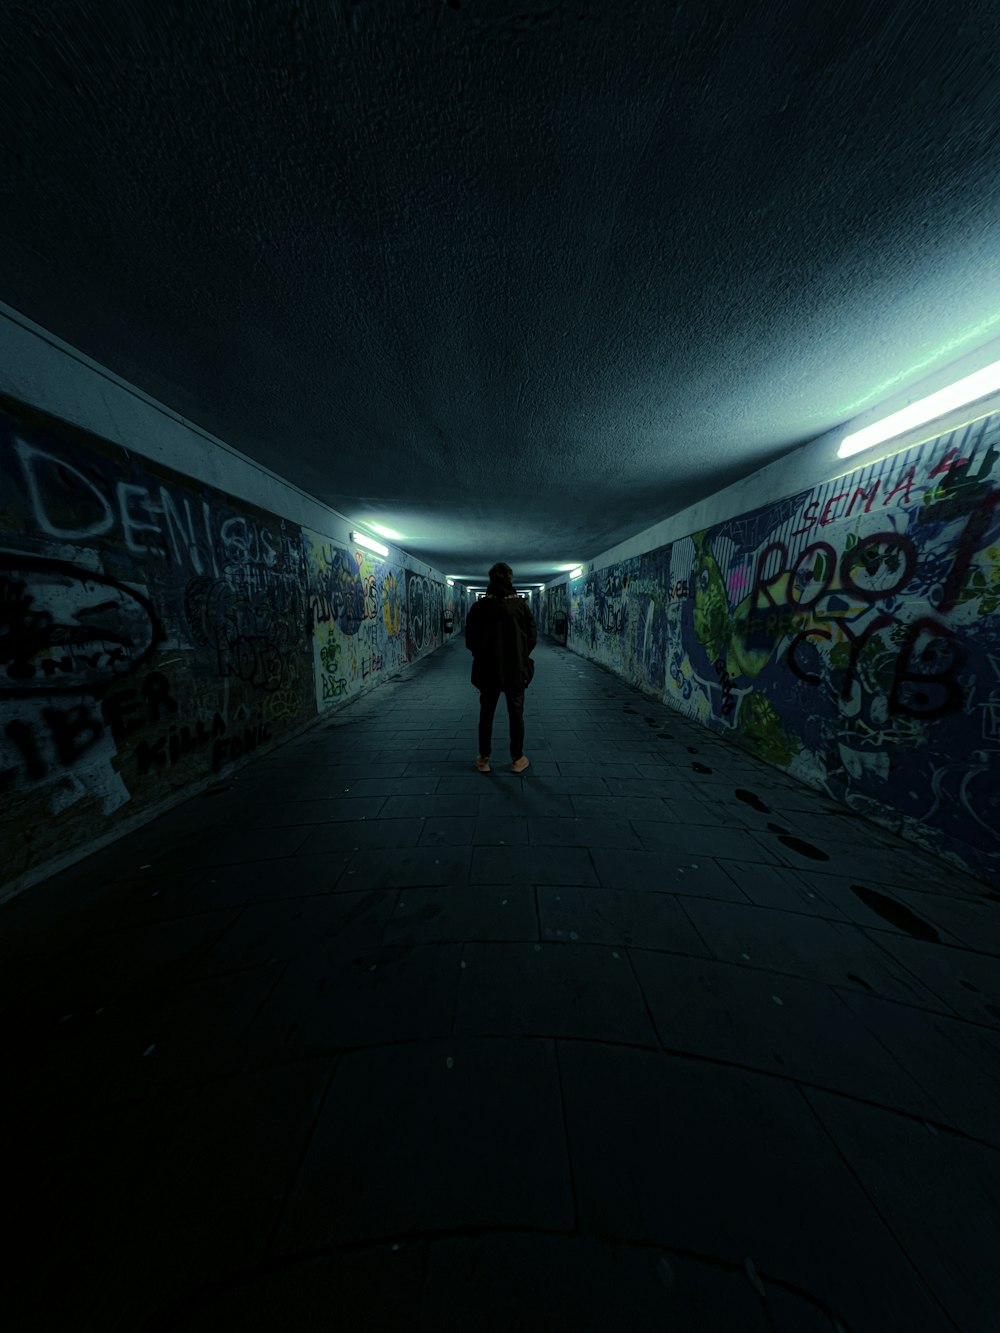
(386, 532)
(575, 573)
(450, 583)
(967, 390)
(369, 543)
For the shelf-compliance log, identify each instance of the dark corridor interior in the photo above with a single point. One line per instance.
(647, 1037)
(311, 312)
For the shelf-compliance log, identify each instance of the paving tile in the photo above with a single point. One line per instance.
(464, 912)
(385, 868)
(829, 951)
(504, 830)
(420, 807)
(298, 876)
(490, 1282)
(551, 990)
(353, 766)
(682, 812)
(341, 924)
(576, 832)
(340, 948)
(532, 865)
(597, 768)
(840, 826)
(521, 800)
(617, 917)
(119, 964)
(901, 1163)
(232, 846)
(471, 783)
(448, 832)
(967, 983)
(781, 1025)
(700, 839)
(138, 1048)
(639, 786)
(154, 1203)
(905, 868)
(385, 993)
(269, 813)
(975, 925)
(579, 784)
(955, 1062)
(377, 1288)
(655, 1160)
(664, 873)
(472, 1108)
(406, 786)
(620, 807)
(781, 888)
(348, 837)
(144, 898)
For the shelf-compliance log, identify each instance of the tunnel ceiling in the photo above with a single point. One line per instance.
(515, 280)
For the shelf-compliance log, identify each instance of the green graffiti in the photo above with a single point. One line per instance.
(723, 632)
(329, 655)
(712, 625)
(759, 723)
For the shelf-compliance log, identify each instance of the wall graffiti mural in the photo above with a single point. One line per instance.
(152, 630)
(358, 616)
(618, 616)
(848, 634)
(424, 605)
(554, 603)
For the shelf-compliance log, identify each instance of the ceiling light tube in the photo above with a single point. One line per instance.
(575, 573)
(450, 583)
(963, 391)
(369, 543)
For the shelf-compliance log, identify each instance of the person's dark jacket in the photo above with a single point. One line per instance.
(500, 633)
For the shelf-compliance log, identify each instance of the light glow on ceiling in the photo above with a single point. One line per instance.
(963, 391)
(386, 532)
(369, 543)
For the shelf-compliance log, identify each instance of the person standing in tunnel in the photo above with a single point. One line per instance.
(500, 634)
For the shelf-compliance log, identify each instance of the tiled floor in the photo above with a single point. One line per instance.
(648, 1038)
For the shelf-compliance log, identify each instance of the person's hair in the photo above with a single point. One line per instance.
(501, 573)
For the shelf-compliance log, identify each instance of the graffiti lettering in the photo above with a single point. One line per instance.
(64, 628)
(810, 677)
(67, 504)
(726, 681)
(227, 749)
(253, 637)
(925, 683)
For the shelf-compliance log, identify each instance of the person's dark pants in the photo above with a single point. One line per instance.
(489, 697)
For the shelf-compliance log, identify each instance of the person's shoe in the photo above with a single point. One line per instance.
(483, 764)
(519, 765)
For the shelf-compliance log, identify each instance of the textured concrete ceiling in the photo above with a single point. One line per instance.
(514, 279)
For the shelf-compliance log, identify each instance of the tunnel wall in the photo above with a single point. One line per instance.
(157, 631)
(848, 634)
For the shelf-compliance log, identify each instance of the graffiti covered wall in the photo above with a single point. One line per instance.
(618, 617)
(553, 603)
(424, 605)
(151, 633)
(357, 619)
(848, 634)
